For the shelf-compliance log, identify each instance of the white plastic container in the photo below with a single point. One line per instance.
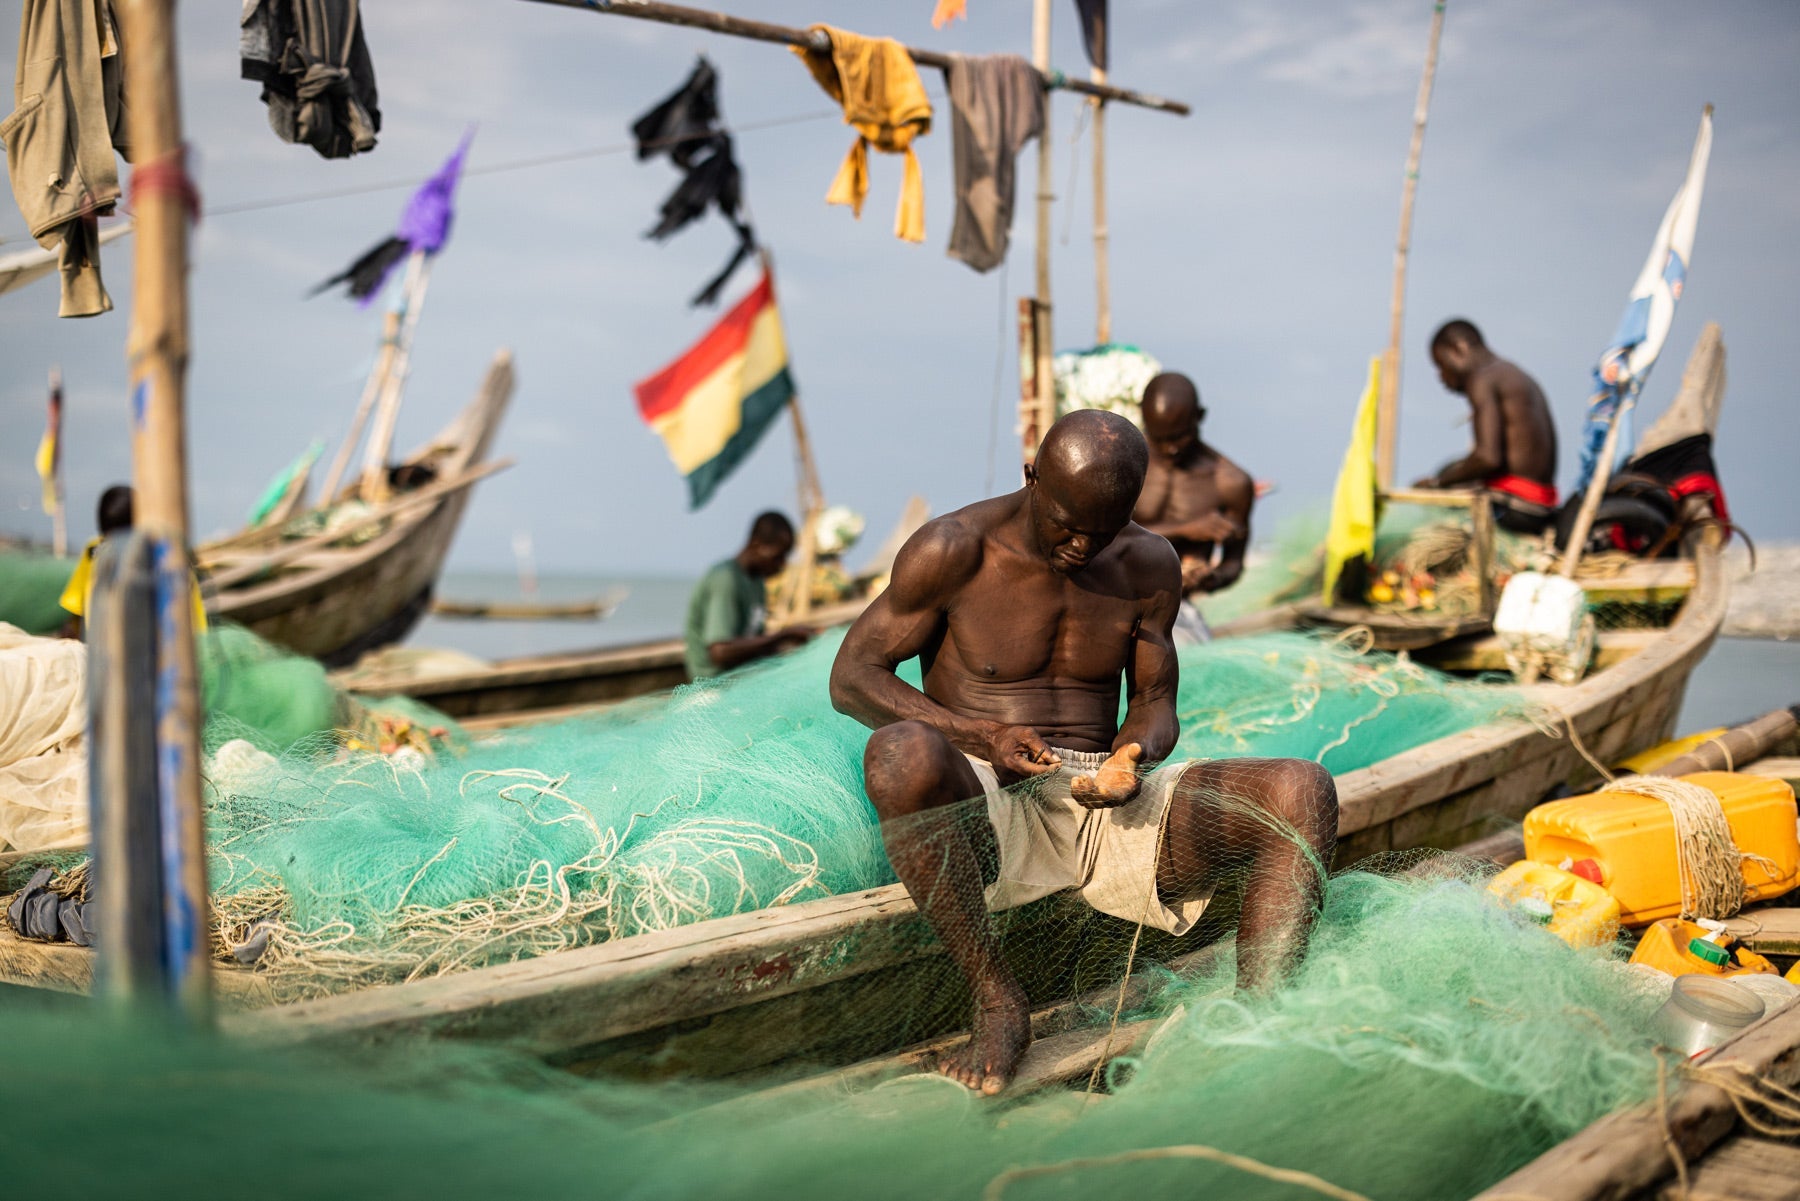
(1703, 1012)
(1543, 626)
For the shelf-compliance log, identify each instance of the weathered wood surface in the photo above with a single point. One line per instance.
(1397, 631)
(1654, 582)
(1773, 931)
(64, 967)
(1625, 1155)
(1779, 767)
(1484, 653)
(1742, 1168)
(1441, 794)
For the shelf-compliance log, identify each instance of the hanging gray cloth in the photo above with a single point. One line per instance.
(318, 81)
(996, 106)
(68, 120)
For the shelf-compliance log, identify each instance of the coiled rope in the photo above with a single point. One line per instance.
(1707, 860)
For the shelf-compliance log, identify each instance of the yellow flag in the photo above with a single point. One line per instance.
(1353, 503)
(46, 469)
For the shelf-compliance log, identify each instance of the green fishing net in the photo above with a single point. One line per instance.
(31, 585)
(719, 798)
(1430, 1043)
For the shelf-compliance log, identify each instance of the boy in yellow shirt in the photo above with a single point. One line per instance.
(114, 518)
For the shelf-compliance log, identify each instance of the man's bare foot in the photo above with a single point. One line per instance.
(1002, 1031)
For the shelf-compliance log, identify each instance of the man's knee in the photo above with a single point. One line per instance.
(1303, 794)
(904, 767)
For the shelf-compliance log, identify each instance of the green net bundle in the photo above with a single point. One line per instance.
(1430, 1043)
(31, 585)
(720, 798)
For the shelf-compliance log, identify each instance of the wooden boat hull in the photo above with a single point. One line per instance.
(555, 682)
(743, 993)
(341, 602)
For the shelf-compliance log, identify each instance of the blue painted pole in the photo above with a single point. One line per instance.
(164, 202)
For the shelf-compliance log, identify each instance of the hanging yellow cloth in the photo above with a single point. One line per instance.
(1353, 503)
(878, 85)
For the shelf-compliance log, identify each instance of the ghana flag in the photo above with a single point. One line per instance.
(715, 402)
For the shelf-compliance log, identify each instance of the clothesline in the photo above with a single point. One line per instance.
(520, 164)
(763, 31)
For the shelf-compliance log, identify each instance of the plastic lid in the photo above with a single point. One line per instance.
(1587, 869)
(1712, 952)
(1720, 1002)
(1536, 908)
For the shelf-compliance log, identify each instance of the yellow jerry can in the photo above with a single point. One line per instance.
(1685, 949)
(1626, 843)
(1577, 911)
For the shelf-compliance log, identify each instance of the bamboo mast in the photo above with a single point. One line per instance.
(384, 359)
(1387, 420)
(1102, 280)
(1043, 328)
(163, 202)
(374, 487)
(812, 504)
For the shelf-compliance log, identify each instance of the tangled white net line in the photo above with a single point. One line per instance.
(611, 891)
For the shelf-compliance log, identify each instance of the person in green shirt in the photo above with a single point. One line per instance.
(729, 605)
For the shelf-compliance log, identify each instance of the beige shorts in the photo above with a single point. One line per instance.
(1050, 842)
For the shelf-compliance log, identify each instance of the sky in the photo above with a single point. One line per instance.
(1252, 248)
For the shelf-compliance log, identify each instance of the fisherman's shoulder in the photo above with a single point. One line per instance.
(1149, 559)
(947, 548)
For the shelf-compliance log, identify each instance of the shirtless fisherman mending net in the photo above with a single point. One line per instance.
(1026, 612)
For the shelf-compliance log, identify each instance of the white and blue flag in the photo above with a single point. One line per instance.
(1622, 370)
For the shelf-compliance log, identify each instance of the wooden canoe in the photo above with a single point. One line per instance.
(332, 598)
(740, 993)
(582, 610)
(553, 684)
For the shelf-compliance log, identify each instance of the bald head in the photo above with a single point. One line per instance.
(1094, 458)
(1172, 413)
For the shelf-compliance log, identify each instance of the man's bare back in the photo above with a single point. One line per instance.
(1193, 495)
(1514, 434)
(1029, 612)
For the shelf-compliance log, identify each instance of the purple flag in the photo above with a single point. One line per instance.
(425, 225)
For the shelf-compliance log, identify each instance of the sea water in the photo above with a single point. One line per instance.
(1739, 679)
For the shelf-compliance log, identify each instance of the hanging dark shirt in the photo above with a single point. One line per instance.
(318, 81)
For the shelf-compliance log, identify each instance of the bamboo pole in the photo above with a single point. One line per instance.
(374, 487)
(1387, 421)
(384, 360)
(59, 515)
(812, 503)
(157, 352)
(786, 35)
(1102, 279)
(1044, 327)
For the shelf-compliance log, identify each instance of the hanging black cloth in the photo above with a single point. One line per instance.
(318, 80)
(686, 127)
(1093, 30)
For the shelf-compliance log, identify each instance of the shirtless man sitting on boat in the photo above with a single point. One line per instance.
(1194, 496)
(1514, 456)
(1028, 613)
